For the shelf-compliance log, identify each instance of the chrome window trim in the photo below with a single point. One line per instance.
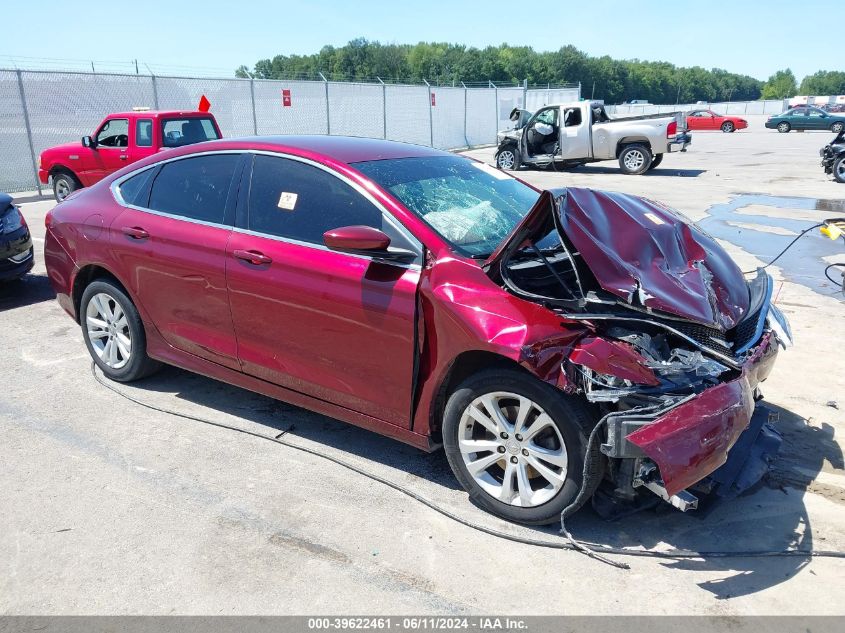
(115, 190)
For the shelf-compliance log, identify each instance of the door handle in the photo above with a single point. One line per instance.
(123, 157)
(253, 257)
(135, 232)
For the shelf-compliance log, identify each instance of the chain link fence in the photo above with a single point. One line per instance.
(41, 109)
(774, 106)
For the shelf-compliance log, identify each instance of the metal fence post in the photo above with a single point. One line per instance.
(430, 115)
(254, 117)
(495, 107)
(383, 106)
(29, 133)
(524, 94)
(328, 116)
(466, 138)
(155, 92)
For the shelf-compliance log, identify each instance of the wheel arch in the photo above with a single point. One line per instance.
(632, 140)
(58, 168)
(88, 274)
(462, 366)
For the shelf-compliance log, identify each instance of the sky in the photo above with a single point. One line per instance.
(753, 38)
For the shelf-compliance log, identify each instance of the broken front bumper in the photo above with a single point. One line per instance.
(692, 439)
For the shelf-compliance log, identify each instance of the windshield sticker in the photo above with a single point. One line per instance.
(489, 169)
(287, 201)
(654, 218)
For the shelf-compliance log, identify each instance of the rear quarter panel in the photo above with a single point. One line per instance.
(608, 136)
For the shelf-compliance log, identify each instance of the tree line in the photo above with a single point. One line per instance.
(603, 77)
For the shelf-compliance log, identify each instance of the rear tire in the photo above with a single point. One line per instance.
(64, 184)
(530, 477)
(114, 333)
(635, 159)
(728, 127)
(784, 127)
(839, 169)
(837, 127)
(508, 158)
(658, 158)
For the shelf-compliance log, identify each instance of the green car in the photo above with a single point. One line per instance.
(806, 118)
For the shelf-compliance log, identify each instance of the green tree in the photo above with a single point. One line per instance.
(781, 85)
(824, 83)
(614, 80)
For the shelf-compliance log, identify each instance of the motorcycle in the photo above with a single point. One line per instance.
(833, 157)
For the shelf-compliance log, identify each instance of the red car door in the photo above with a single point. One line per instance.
(336, 326)
(172, 246)
(111, 144)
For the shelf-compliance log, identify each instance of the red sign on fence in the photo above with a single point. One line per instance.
(286, 97)
(433, 103)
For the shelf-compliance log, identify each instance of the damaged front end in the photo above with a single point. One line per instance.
(678, 339)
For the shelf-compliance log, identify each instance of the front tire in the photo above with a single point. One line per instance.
(837, 127)
(517, 445)
(728, 127)
(114, 333)
(839, 169)
(635, 159)
(507, 158)
(63, 185)
(784, 127)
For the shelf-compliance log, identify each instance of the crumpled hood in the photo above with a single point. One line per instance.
(642, 252)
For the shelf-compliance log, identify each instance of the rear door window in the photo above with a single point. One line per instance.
(144, 132)
(178, 132)
(195, 188)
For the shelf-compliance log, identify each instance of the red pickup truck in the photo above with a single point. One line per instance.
(122, 138)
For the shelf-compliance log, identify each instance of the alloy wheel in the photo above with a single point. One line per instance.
(506, 159)
(634, 160)
(840, 171)
(512, 449)
(62, 189)
(108, 330)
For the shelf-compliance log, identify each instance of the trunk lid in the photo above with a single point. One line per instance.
(639, 251)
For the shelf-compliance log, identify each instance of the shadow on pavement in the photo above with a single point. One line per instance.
(25, 291)
(657, 171)
(770, 517)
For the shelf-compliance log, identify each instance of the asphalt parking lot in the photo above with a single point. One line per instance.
(110, 507)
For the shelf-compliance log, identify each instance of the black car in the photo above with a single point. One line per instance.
(833, 157)
(16, 252)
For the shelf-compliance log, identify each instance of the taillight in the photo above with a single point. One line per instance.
(672, 129)
(48, 219)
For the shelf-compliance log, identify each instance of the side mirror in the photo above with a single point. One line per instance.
(364, 240)
(88, 142)
(356, 239)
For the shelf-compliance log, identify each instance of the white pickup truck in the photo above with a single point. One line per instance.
(581, 132)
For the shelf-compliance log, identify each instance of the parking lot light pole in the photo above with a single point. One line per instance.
(28, 132)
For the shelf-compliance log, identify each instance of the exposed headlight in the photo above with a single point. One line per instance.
(11, 221)
(780, 326)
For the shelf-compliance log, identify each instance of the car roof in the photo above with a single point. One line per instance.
(343, 149)
(154, 114)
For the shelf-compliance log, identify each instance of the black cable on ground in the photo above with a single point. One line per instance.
(788, 246)
(839, 282)
(595, 548)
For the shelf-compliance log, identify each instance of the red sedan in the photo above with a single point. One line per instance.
(434, 299)
(709, 120)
